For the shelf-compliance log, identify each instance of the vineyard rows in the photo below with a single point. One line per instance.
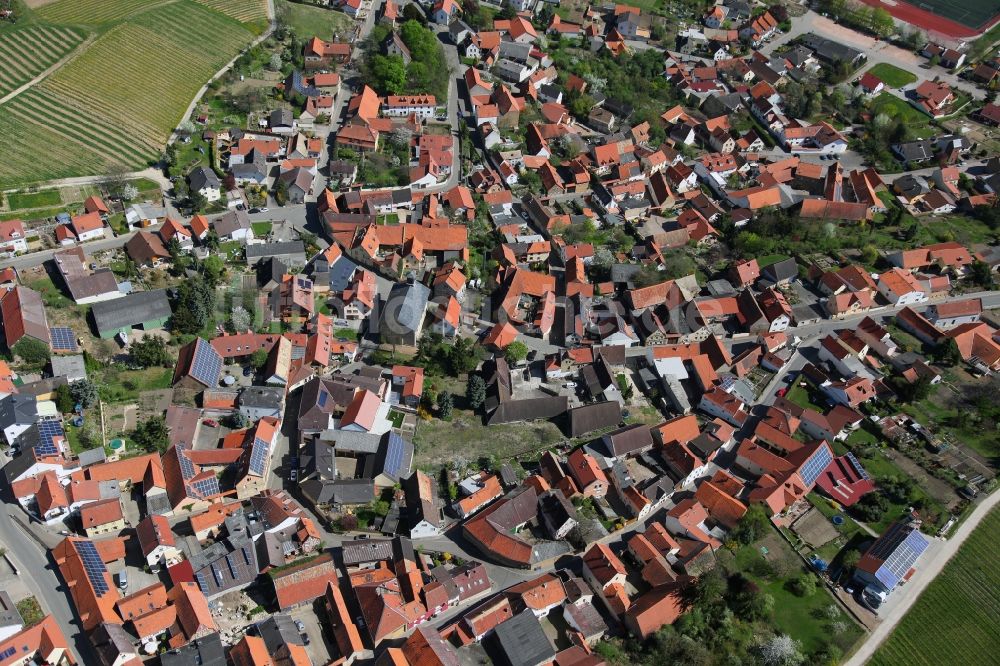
(93, 111)
(91, 12)
(27, 52)
(244, 11)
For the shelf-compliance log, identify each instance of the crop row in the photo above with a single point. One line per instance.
(91, 12)
(28, 52)
(243, 11)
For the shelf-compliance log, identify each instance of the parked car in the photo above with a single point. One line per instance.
(211, 423)
(782, 391)
(247, 371)
(569, 385)
(300, 626)
(305, 638)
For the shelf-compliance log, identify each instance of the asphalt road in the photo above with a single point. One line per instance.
(41, 576)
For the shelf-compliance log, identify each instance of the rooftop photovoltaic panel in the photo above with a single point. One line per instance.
(187, 467)
(856, 464)
(93, 565)
(207, 364)
(394, 454)
(200, 577)
(207, 487)
(49, 431)
(259, 453)
(63, 339)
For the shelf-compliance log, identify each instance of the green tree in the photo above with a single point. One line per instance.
(948, 353)
(84, 392)
(152, 434)
(982, 275)
(214, 269)
(882, 23)
(475, 391)
(516, 352)
(193, 305)
(258, 359)
(803, 585)
(64, 399)
(31, 351)
(149, 352)
(446, 404)
(752, 526)
(389, 74)
(850, 559)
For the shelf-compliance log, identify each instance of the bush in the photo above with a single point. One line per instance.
(31, 351)
(803, 585)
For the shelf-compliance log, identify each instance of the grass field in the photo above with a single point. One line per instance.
(918, 123)
(893, 76)
(34, 199)
(93, 113)
(955, 620)
(308, 22)
(28, 51)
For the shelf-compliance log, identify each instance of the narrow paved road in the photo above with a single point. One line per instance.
(40, 575)
(926, 572)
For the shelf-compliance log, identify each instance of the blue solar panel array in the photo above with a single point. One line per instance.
(394, 454)
(200, 577)
(259, 453)
(48, 431)
(93, 565)
(901, 559)
(207, 487)
(856, 464)
(207, 363)
(63, 339)
(9, 652)
(187, 467)
(815, 465)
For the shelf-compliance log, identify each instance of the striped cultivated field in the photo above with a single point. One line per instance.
(93, 112)
(91, 12)
(28, 51)
(955, 620)
(244, 11)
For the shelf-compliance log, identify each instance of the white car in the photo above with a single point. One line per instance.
(569, 385)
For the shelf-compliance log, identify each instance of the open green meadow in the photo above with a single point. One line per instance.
(93, 113)
(893, 76)
(955, 620)
(308, 22)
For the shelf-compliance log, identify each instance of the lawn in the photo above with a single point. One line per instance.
(944, 420)
(261, 229)
(769, 259)
(396, 418)
(92, 114)
(125, 385)
(808, 619)
(42, 199)
(307, 22)
(918, 123)
(804, 397)
(955, 620)
(893, 76)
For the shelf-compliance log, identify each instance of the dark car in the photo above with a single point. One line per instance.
(247, 371)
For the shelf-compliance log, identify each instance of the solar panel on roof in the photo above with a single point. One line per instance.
(207, 364)
(200, 577)
(93, 565)
(9, 652)
(49, 430)
(63, 339)
(187, 467)
(323, 397)
(394, 454)
(259, 453)
(207, 487)
(217, 574)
